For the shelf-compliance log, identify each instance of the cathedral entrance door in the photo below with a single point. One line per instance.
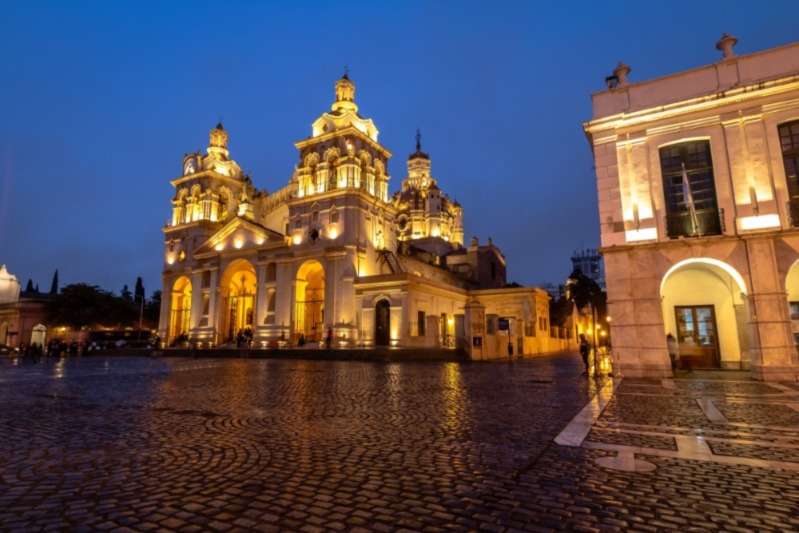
(382, 323)
(309, 311)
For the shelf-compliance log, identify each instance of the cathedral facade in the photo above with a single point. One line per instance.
(334, 255)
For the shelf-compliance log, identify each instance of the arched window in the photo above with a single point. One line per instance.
(789, 143)
(689, 189)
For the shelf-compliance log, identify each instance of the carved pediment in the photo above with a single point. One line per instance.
(238, 234)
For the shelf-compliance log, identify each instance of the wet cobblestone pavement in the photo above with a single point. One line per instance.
(195, 445)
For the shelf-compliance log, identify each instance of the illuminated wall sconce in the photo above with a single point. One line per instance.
(170, 259)
(259, 241)
(759, 222)
(297, 239)
(219, 247)
(238, 243)
(643, 234)
(332, 232)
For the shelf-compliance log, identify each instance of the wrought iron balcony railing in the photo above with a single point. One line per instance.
(703, 222)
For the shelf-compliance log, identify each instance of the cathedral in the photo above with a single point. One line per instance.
(333, 256)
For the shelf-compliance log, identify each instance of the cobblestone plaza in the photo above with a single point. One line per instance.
(207, 444)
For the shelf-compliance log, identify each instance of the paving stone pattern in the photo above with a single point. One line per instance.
(632, 439)
(232, 445)
(760, 413)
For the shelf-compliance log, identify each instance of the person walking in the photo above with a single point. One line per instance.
(329, 338)
(674, 351)
(585, 349)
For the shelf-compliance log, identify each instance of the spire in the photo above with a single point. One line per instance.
(418, 154)
(345, 94)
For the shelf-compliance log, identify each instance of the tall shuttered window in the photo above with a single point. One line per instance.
(690, 190)
(789, 143)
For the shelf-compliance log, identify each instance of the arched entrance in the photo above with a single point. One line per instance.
(180, 311)
(706, 309)
(792, 290)
(383, 323)
(238, 299)
(309, 297)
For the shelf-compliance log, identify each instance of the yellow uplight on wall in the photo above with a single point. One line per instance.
(238, 243)
(759, 222)
(219, 247)
(297, 239)
(332, 232)
(643, 234)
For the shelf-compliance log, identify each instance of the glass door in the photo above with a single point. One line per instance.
(697, 336)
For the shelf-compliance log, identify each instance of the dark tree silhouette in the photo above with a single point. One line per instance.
(126, 295)
(81, 305)
(138, 291)
(54, 284)
(152, 309)
(29, 286)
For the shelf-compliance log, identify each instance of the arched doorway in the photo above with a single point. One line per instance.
(383, 323)
(180, 312)
(792, 291)
(238, 299)
(309, 297)
(706, 309)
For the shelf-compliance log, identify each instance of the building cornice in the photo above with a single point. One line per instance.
(349, 130)
(737, 95)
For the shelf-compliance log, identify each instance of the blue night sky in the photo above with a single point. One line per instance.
(101, 100)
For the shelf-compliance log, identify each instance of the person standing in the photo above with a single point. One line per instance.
(585, 349)
(674, 351)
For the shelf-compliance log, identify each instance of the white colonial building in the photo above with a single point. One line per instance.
(334, 253)
(698, 183)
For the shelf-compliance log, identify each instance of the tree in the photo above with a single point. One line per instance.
(581, 289)
(138, 291)
(584, 291)
(152, 309)
(29, 286)
(54, 284)
(126, 295)
(82, 305)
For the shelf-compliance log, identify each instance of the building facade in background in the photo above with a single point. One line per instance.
(22, 313)
(589, 262)
(333, 253)
(698, 183)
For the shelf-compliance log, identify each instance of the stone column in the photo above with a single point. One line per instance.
(196, 301)
(773, 354)
(165, 314)
(213, 304)
(474, 326)
(284, 296)
(260, 295)
(634, 304)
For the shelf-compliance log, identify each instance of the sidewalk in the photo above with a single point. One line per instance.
(720, 417)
